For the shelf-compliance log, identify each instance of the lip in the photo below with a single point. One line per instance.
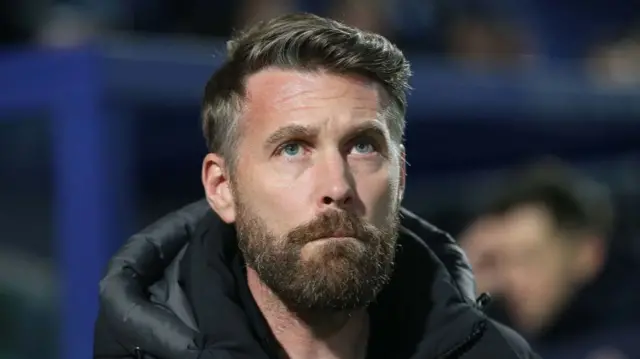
(337, 238)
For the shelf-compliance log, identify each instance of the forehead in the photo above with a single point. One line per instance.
(528, 225)
(275, 96)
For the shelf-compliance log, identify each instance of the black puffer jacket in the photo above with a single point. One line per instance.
(176, 291)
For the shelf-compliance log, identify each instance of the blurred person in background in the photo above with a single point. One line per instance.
(203, 18)
(615, 62)
(307, 252)
(538, 249)
(480, 37)
(368, 15)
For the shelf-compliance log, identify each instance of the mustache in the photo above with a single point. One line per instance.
(330, 224)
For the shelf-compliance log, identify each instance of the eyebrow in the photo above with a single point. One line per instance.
(295, 131)
(290, 132)
(374, 127)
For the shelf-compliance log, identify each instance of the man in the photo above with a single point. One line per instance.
(538, 246)
(304, 254)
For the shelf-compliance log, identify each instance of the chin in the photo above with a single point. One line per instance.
(332, 248)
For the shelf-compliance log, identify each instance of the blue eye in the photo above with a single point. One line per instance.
(363, 148)
(291, 149)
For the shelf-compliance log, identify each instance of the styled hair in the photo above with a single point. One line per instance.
(574, 202)
(302, 42)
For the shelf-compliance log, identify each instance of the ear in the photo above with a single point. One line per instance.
(217, 187)
(590, 258)
(403, 173)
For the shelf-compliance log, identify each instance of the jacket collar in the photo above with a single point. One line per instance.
(422, 300)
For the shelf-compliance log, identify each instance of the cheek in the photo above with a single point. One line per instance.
(379, 193)
(545, 289)
(279, 202)
(540, 283)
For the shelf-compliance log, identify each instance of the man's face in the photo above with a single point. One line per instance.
(317, 188)
(532, 267)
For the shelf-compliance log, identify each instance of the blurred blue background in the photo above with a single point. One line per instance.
(100, 135)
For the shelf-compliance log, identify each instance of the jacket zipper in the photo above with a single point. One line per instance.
(138, 353)
(467, 344)
(476, 334)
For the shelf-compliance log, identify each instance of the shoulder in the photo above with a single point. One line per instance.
(500, 341)
(128, 315)
(105, 344)
(445, 248)
(511, 337)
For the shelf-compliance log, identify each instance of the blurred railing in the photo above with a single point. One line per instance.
(89, 92)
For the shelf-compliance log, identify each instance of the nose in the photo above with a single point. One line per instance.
(335, 184)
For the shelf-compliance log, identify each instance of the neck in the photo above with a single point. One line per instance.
(311, 334)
